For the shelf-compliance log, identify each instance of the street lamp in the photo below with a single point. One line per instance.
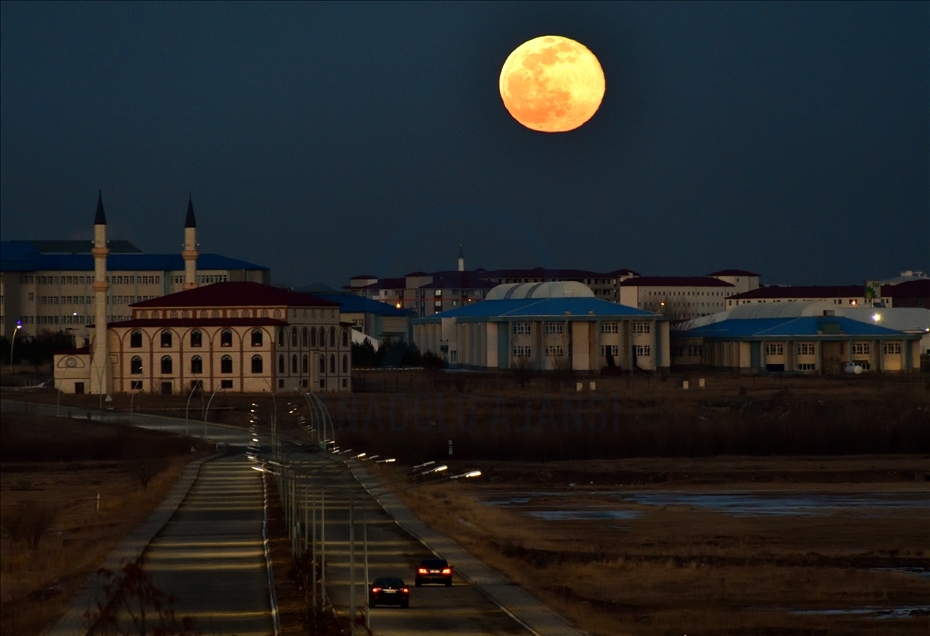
(19, 325)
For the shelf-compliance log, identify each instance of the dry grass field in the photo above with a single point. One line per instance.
(615, 566)
(54, 536)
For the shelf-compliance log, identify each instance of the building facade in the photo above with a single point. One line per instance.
(546, 327)
(678, 297)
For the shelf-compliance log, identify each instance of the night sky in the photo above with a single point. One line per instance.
(329, 140)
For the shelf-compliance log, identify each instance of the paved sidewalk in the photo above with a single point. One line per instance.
(73, 622)
(533, 614)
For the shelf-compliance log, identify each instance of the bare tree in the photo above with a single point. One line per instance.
(677, 312)
(522, 368)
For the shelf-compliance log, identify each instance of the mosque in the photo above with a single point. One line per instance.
(238, 336)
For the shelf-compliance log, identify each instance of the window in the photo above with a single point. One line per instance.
(805, 348)
(523, 352)
(226, 338)
(806, 366)
(293, 336)
(554, 327)
(166, 338)
(332, 363)
(345, 337)
(304, 337)
(522, 328)
(305, 364)
(695, 351)
(257, 364)
(613, 350)
(280, 337)
(641, 327)
(197, 364)
(281, 363)
(196, 338)
(861, 348)
(294, 363)
(322, 364)
(345, 363)
(135, 365)
(256, 337)
(358, 324)
(555, 351)
(774, 349)
(892, 347)
(196, 385)
(610, 327)
(332, 337)
(226, 364)
(135, 339)
(322, 337)
(135, 385)
(166, 365)
(643, 351)
(312, 337)
(226, 384)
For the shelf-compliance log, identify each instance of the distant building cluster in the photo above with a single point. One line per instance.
(170, 323)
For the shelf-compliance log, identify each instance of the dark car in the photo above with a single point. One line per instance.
(434, 571)
(388, 591)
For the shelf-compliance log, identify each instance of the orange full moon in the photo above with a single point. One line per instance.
(552, 84)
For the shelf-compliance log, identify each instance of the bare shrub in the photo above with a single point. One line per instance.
(145, 469)
(40, 521)
(522, 369)
(28, 521)
(135, 600)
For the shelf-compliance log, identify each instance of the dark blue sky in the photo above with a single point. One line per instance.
(328, 140)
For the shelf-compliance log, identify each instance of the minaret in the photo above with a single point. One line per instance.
(461, 259)
(100, 367)
(190, 252)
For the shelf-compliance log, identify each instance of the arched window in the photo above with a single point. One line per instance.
(196, 365)
(172, 314)
(281, 363)
(304, 337)
(345, 337)
(135, 365)
(143, 314)
(264, 313)
(196, 338)
(345, 363)
(256, 337)
(233, 313)
(215, 313)
(276, 313)
(203, 313)
(305, 366)
(135, 339)
(166, 364)
(293, 336)
(226, 338)
(332, 363)
(185, 314)
(312, 337)
(245, 313)
(165, 338)
(332, 337)
(155, 314)
(256, 364)
(280, 337)
(294, 363)
(226, 364)
(322, 337)
(322, 364)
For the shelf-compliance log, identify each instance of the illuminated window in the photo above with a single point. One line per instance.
(226, 338)
(256, 337)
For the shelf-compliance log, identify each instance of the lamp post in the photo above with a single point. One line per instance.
(188, 407)
(206, 412)
(19, 325)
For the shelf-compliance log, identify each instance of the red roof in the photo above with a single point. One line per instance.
(242, 294)
(911, 289)
(674, 281)
(805, 291)
(733, 272)
(198, 322)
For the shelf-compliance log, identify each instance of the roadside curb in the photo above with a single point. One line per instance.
(91, 592)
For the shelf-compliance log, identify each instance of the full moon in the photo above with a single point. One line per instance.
(552, 84)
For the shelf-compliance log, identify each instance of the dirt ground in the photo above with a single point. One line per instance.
(69, 465)
(679, 568)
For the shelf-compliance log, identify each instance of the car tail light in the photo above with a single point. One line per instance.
(447, 570)
(405, 590)
(422, 571)
(375, 590)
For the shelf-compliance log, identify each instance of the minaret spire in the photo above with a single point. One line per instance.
(461, 258)
(190, 252)
(99, 366)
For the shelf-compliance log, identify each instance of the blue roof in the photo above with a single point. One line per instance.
(788, 327)
(541, 307)
(353, 304)
(19, 256)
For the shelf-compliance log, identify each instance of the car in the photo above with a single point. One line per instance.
(388, 591)
(433, 571)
